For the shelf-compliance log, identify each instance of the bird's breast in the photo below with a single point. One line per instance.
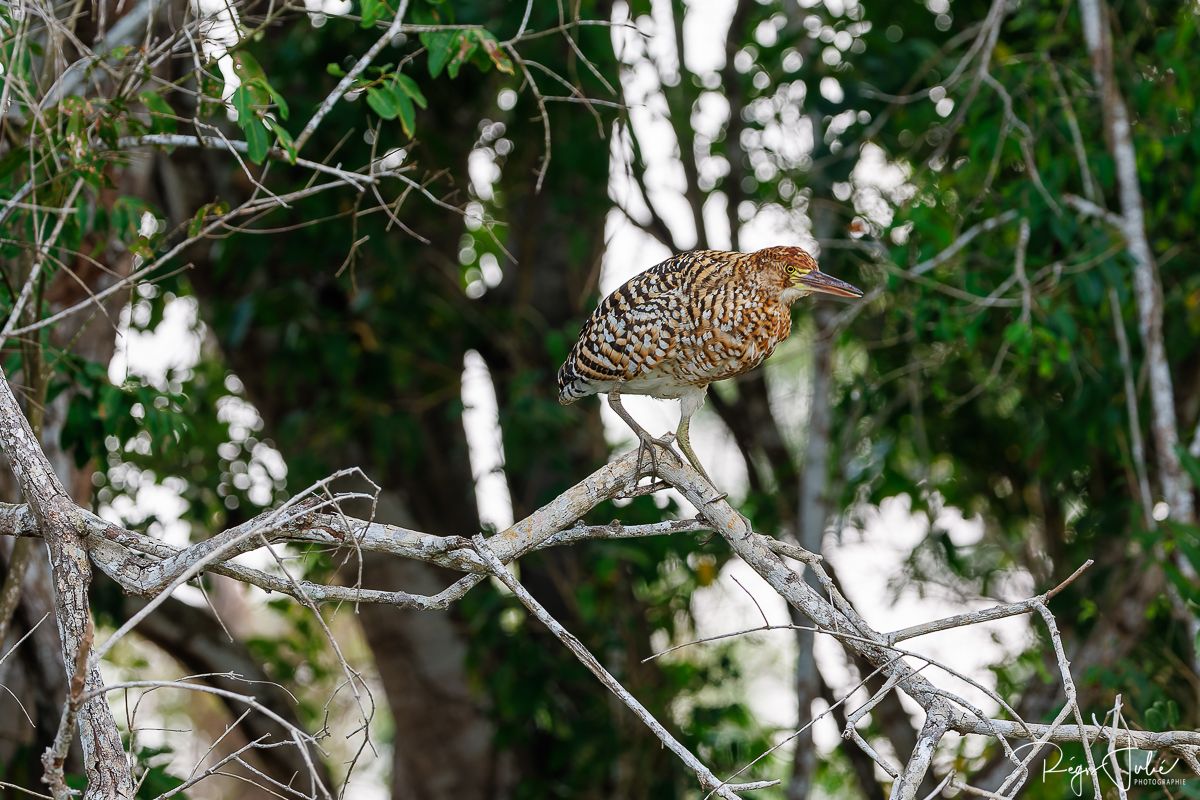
(730, 330)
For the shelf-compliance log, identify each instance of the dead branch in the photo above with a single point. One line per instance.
(141, 564)
(58, 519)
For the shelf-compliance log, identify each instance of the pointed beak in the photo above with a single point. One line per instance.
(818, 281)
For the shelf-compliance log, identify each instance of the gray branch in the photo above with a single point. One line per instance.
(707, 779)
(59, 521)
(146, 566)
(1147, 289)
(1164, 427)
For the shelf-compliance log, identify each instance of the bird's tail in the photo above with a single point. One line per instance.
(571, 385)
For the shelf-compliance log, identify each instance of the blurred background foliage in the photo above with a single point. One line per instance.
(927, 150)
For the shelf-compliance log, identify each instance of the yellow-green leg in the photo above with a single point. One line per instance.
(689, 404)
(685, 444)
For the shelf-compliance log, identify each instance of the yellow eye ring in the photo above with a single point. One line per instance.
(791, 269)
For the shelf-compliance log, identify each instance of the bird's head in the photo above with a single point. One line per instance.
(797, 275)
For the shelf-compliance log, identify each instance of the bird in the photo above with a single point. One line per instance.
(696, 318)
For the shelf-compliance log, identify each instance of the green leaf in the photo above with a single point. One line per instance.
(247, 67)
(255, 79)
(251, 122)
(161, 114)
(381, 102)
(441, 46)
(284, 138)
(335, 70)
(464, 47)
(208, 209)
(257, 141)
(404, 108)
(492, 47)
(1020, 336)
(141, 247)
(410, 88)
(373, 11)
(243, 103)
(276, 97)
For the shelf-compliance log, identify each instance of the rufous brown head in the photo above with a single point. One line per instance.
(799, 275)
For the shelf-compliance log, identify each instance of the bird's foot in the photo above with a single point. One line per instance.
(646, 445)
(716, 499)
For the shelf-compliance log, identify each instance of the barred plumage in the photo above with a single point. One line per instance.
(695, 318)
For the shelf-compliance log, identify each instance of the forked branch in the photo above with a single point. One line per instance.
(144, 565)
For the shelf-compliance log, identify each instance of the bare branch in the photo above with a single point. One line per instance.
(58, 520)
(984, 615)
(1137, 447)
(348, 79)
(358, 180)
(39, 260)
(141, 564)
(705, 776)
(937, 722)
(1147, 289)
(964, 239)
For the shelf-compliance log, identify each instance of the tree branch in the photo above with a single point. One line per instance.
(1147, 289)
(348, 79)
(555, 524)
(705, 776)
(141, 564)
(59, 522)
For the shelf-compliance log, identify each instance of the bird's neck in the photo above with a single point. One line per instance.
(791, 295)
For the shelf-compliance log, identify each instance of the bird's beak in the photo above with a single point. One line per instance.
(817, 281)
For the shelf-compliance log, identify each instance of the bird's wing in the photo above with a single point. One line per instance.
(632, 330)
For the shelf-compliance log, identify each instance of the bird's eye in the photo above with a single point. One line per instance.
(791, 269)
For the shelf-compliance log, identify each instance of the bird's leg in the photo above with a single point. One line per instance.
(688, 405)
(646, 442)
(685, 444)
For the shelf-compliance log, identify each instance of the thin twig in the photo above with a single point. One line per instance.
(707, 779)
(351, 76)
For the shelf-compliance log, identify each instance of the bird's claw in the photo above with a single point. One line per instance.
(646, 444)
(716, 499)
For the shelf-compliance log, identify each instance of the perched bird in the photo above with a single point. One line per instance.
(695, 318)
